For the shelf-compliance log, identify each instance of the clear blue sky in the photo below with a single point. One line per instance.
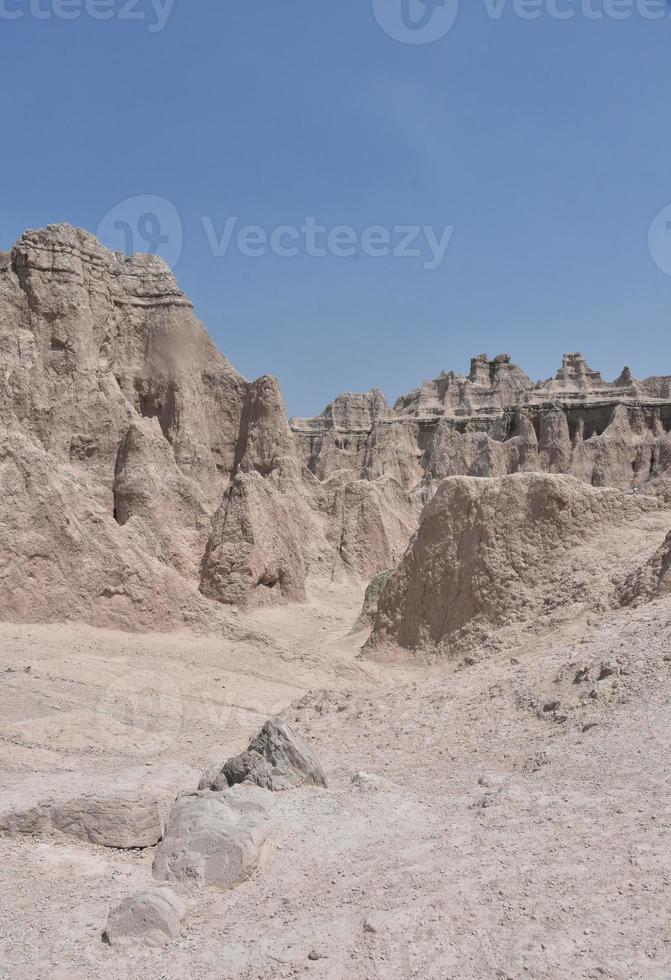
(545, 143)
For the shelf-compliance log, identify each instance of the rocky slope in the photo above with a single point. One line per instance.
(493, 558)
(145, 482)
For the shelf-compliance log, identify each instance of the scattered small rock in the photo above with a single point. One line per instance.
(608, 670)
(490, 799)
(376, 921)
(541, 759)
(491, 782)
(367, 782)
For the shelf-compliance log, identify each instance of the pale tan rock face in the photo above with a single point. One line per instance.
(119, 423)
(164, 505)
(145, 482)
(107, 821)
(496, 421)
(90, 338)
(64, 557)
(271, 535)
(496, 553)
(370, 523)
(651, 580)
(259, 542)
(138, 466)
(626, 453)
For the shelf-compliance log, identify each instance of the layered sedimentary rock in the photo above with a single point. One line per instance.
(497, 421)
(119, 423)
(91, 340)
(278, 524)
(142, 477)
(144, 482)
(492, 554)
(271, 535)
(107, 821)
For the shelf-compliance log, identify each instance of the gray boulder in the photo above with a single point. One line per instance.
(277, 759)
(151, 918)
(212, 837)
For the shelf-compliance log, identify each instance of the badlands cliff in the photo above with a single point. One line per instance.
(142, 476)
(535, 551)
(500, 811)
(146, 484)
(496, 421)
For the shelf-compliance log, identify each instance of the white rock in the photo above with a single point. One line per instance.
(151, 918)
(211, 837)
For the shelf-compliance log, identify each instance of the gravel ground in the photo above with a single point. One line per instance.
(513, 821)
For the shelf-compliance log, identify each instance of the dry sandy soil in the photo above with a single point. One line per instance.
(515, 821)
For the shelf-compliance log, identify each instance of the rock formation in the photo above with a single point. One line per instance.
(150, 918)
(119, 423)
(276, 759)
(144, 484)
(142, 476)
(510, 551)
(109, 822)
(496, 421)
(214, 838)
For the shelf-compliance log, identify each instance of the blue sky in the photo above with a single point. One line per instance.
(545, 144)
